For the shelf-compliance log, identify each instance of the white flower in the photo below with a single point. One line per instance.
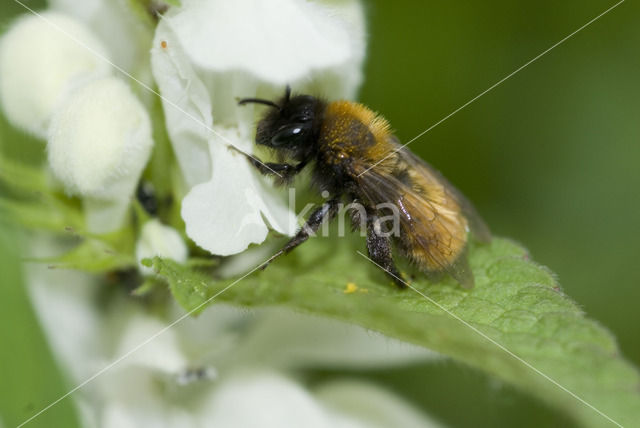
(228, 212)
(371, 407)
(268, 399)
(228, 367)
(40, 65)
(205, 56)
(276, 42)
(157, 239)
(99, 142)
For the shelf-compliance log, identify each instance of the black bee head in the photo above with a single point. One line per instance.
(291, 124)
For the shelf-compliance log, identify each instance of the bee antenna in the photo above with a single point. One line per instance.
(259, 101)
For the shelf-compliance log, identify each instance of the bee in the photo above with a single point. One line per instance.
(355, 158)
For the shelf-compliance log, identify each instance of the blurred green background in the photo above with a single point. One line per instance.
(550, 157)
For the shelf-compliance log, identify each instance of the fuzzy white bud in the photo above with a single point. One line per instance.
(43, 59)
(157, 239)
(99, 143)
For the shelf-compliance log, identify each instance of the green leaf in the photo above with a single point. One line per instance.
(33, 202)
(92, 255)
(27, 195)
(22, 177)
(147, 286)
(516, 304)
(48, 215)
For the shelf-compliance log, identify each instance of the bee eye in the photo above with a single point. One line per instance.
(300, 118)
(286, 135)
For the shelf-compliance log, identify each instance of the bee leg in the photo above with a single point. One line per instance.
(379, 247)
(283, 170)
(324, 213)
(270, 168)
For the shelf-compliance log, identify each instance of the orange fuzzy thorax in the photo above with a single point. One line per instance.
(351, 129)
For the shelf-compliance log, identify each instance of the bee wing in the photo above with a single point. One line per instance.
(478, 227)
(434, 232)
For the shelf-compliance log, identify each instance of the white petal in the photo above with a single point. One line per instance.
(342, 82)
(279, 41)
(186, 105)
(262, 399)
(283, 338)
(278, 215)
(114, 21)
(40, 63)
(103, 215)
(100, 141)
(371, 406)
(220, 215)
(158, 414)
(225, 215)
(118, 415)
(63, 302)
(132, 396)
(206, 55)
(213, 337)
(162, 353)
(84, 10)
(157, 239)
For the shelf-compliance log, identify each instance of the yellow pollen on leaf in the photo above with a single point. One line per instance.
(350, 288)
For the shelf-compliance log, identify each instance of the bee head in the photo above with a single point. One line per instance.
(290, 124)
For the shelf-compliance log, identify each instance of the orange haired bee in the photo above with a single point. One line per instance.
(356, 158)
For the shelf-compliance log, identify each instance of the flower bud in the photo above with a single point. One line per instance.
(99, 143)
(157, 239)
(43, 59)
